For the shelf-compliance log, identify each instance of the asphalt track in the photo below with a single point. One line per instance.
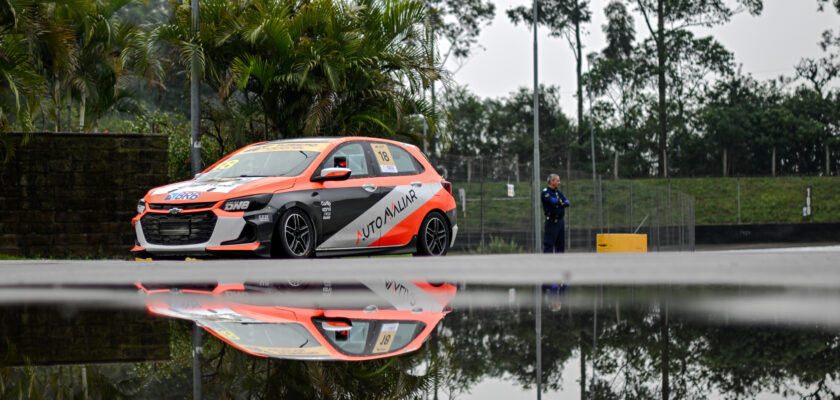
(799, 286)
(811, 267)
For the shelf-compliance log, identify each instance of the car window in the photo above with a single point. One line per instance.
(349, 155)
(394, 160)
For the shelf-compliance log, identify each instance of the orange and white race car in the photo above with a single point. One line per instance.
(302, 198)
(349, 322)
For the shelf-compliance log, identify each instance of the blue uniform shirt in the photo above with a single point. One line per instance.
(554, 203)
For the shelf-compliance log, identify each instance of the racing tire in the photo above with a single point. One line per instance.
(295, 235)
(434, 236)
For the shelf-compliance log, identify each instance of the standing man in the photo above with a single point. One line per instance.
(554, 205)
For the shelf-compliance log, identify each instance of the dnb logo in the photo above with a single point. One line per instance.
(377, 224)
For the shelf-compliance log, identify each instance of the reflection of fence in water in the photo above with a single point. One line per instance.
(605, 206)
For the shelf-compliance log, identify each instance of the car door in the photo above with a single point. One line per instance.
(344, 203)
(406, 196)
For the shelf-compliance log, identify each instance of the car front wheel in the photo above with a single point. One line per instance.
(433, 238)
(296, 234)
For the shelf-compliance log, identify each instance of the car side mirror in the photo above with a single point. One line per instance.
(337, 325)
(332, 174)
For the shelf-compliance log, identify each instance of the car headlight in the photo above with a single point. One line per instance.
(141, 206)
(249, 203)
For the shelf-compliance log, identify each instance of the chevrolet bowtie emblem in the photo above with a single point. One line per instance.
(175, 210)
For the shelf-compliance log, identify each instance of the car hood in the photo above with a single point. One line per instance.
(207, 190)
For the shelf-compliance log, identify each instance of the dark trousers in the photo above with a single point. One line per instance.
(554, 240)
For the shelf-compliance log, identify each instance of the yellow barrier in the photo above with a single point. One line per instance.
(621, 243)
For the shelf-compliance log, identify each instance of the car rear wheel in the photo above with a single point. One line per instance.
(433, 238)
(295, 234)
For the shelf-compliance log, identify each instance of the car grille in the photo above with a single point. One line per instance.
(184, 206)
(178, 229)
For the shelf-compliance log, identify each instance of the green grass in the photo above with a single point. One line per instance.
(763, 201)
(4, 257)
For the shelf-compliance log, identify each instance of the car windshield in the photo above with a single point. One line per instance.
(270, 159)
(277, 340)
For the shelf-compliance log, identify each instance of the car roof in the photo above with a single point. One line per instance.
(334, 139)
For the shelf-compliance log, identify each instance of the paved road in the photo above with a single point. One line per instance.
(798, 267)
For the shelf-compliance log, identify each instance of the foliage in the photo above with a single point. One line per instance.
(287, 69)
(736, 126)
(564, 18)
(498, 245)
(459, 23)
(176, 126)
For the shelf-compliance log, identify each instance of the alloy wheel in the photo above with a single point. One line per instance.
(436, 236)
(297, 234)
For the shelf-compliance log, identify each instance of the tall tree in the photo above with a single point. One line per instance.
(615, 74)
(668, 20)
(818, 73)
(459, 23)
(565, 19)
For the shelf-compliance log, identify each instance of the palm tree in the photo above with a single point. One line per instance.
(107, 45)
(285, 68)
(22, 28)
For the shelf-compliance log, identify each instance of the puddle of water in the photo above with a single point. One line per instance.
(411, 338)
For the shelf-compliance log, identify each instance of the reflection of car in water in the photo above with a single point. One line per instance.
(300, 198)
(362, 321)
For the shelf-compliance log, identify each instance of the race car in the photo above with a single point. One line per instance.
(301, 198)
(348, 322)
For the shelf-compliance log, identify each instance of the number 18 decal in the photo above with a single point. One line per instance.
(384, 157)
(386, 338)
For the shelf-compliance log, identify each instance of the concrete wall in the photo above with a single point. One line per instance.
(73, 194)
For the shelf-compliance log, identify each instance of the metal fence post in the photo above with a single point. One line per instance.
(738, 180)
(481, 189)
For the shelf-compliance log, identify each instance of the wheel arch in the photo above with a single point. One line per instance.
(278, 216)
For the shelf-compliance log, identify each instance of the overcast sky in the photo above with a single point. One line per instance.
(768, 45)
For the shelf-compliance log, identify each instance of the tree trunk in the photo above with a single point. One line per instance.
(660, 55)
(57, 104)
(82, 113)
(579, 72)
(265, 122)
(724, 163)
(582, 368)
(773, 163)
(827, 161)
(615, 166)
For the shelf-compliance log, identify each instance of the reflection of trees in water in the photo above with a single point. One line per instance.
(228, 374)
(623, 360)
(640, 353)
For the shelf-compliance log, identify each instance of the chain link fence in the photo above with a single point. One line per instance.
(495, 203)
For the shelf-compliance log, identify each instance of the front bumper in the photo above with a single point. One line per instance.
(243, 233)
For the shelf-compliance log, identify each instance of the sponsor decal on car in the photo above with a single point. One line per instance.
(237, 205)
(383, 216)
(182, 196)
(395, 209)
(225, 185)
(405, 295)
(302, 146)
(326, 209)
(316, 351)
